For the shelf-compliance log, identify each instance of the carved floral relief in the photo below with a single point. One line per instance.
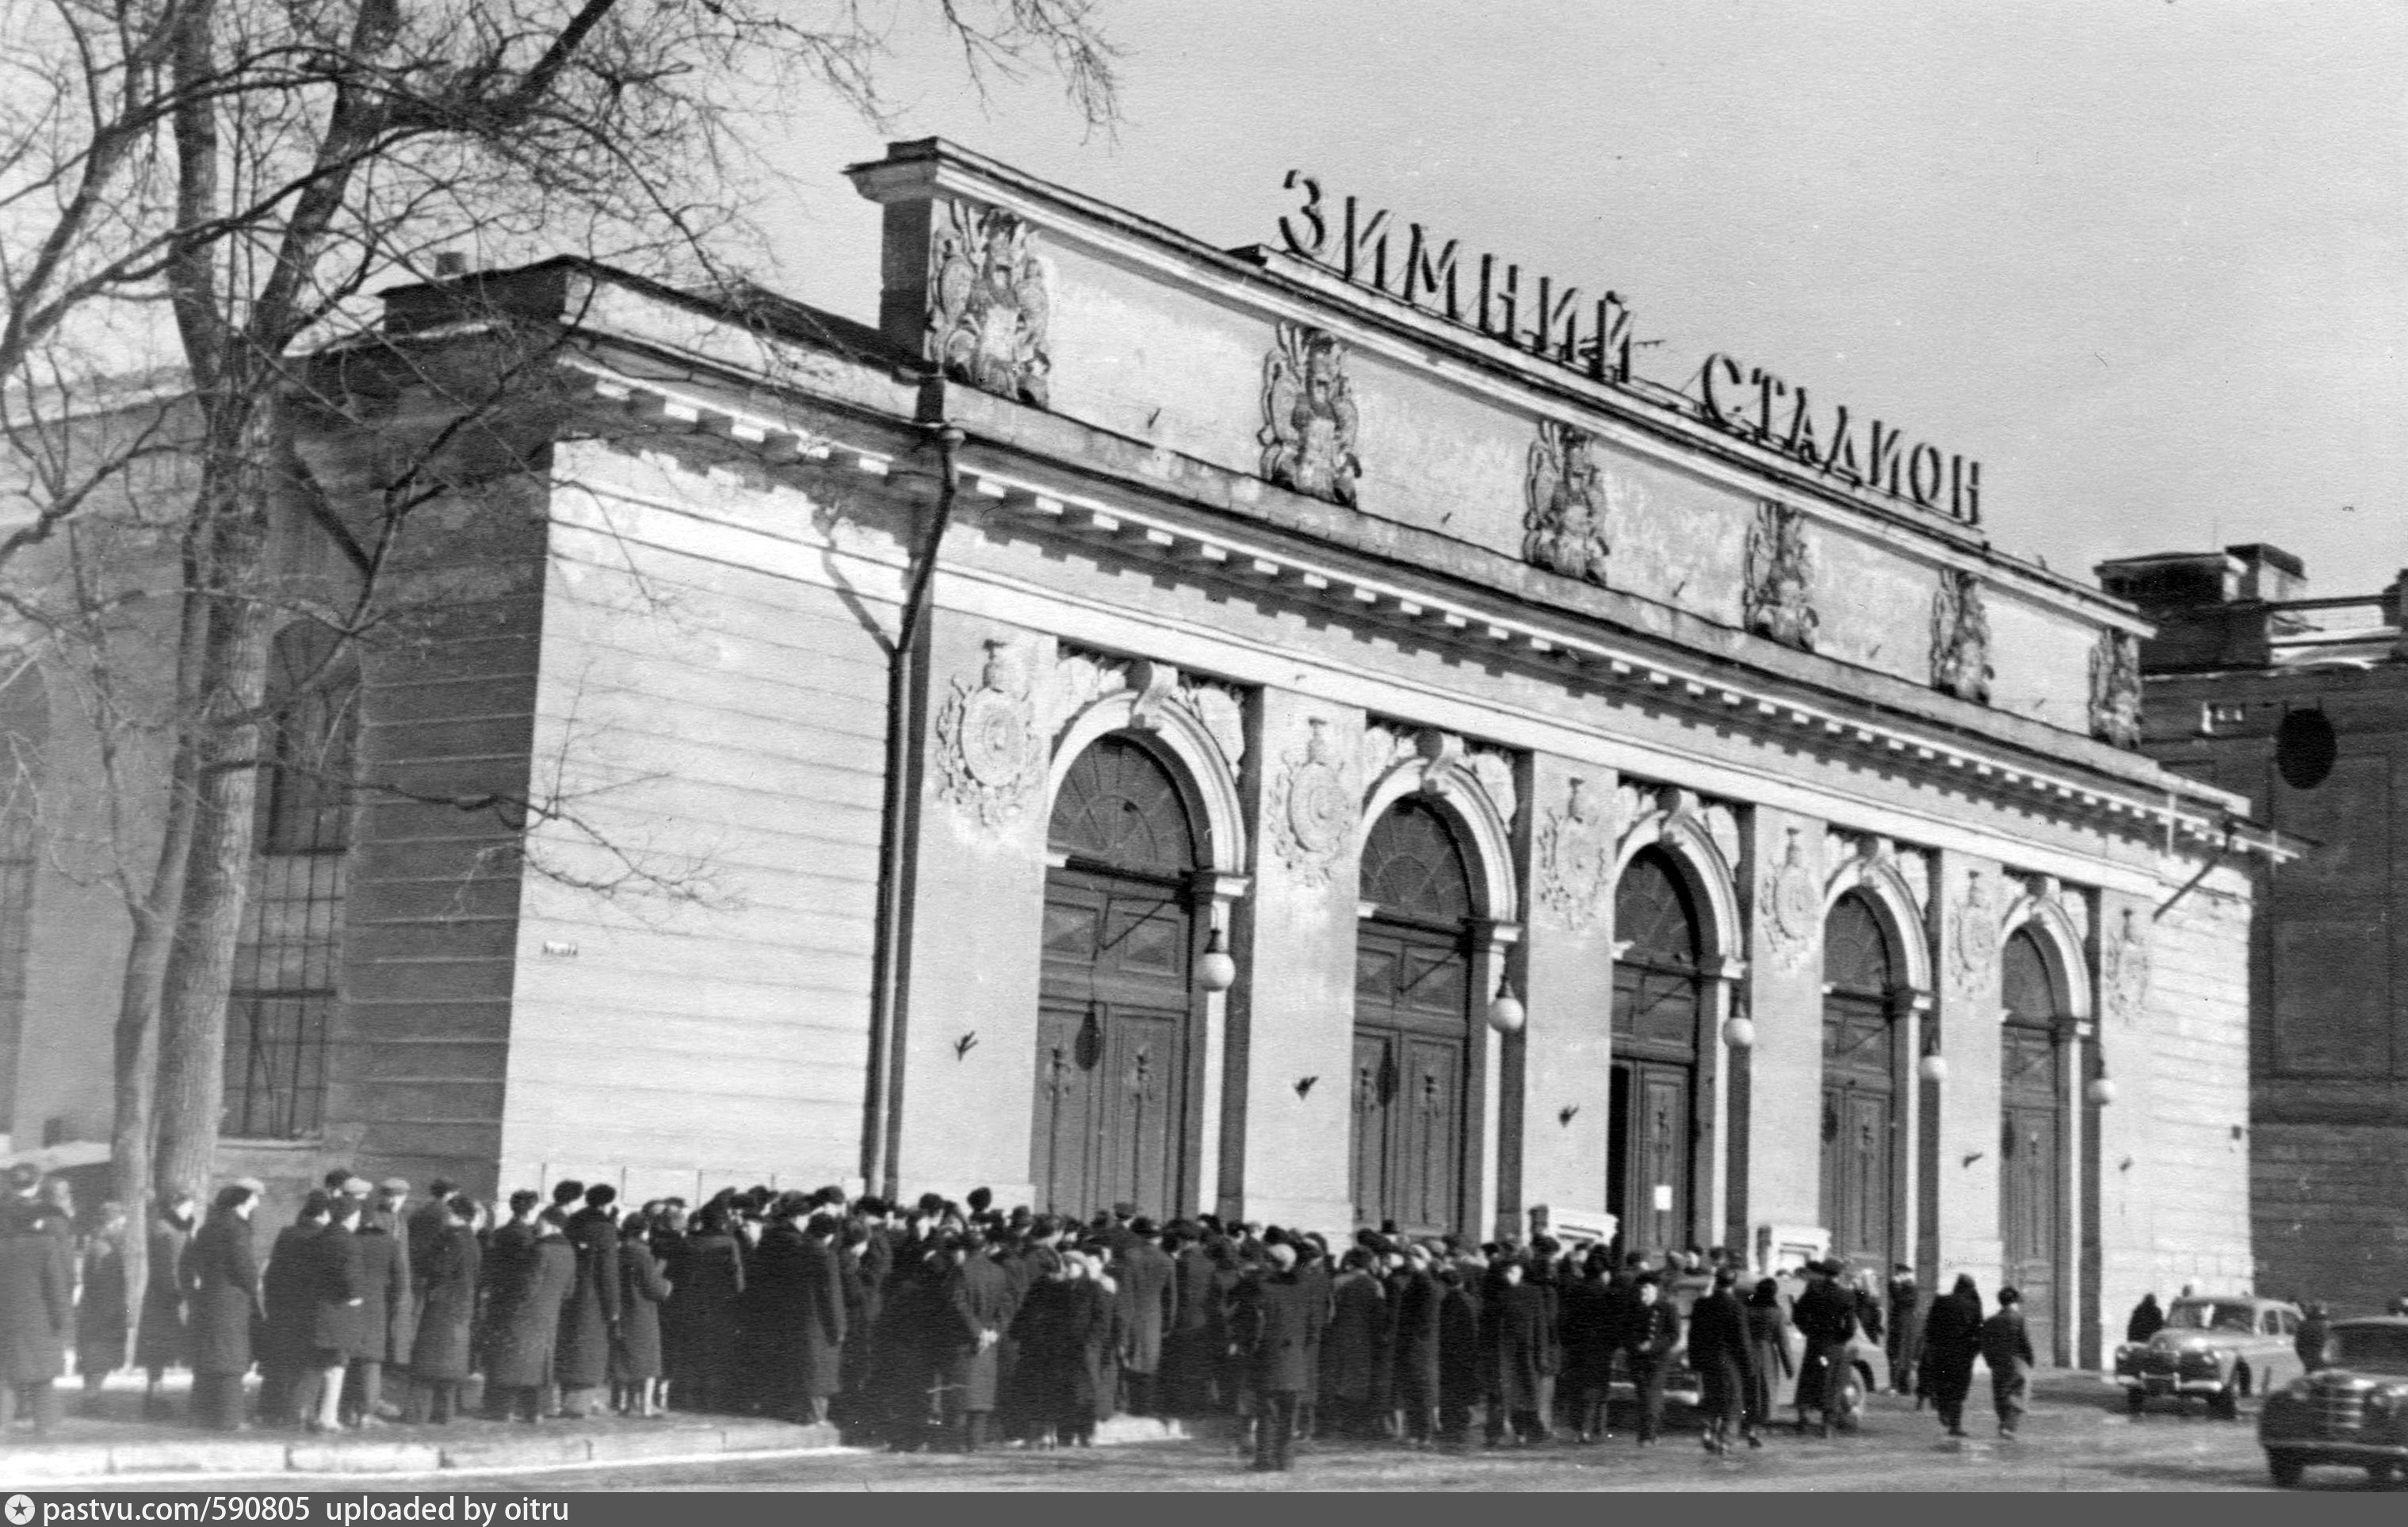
(990, 756)
(988, 307)
(1960, 638)
(2115, 689)
(1779, 596)
(1309, 418)
(1564, 510)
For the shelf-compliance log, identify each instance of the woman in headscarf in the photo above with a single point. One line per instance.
(1768, 1343)
(1950, 1338)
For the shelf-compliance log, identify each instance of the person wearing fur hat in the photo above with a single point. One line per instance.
(978, 1304)
(523, 1319)
(442, 1338)
(1513, 1335)
(285, 1295)
(589, 1321)
(797, 1310)
(1272, 1328)
(701, 1320)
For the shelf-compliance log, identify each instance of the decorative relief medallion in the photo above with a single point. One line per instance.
(1312, 807)
(987, 304)
(2115, 689)
(990, 759)
(1794, 903)
(1563, 520)
(1575, 857)
(2126, 957)
(1779, 597)
(1973, 933)
(1960, 638)
(1308, 433)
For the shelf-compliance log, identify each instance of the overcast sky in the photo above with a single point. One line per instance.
(2142, 257)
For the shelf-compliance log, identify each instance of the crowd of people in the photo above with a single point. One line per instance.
(936, 1324)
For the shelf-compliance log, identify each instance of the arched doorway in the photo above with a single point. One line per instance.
(1657, 995)
(1860, 1087)
(1413, 1023)
(1114, 1055)
(2031, 1124)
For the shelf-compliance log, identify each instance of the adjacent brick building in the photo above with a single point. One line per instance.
(2300, 704)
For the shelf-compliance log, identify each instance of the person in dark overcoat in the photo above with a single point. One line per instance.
(864, 1289)
(1650, 1331)
(159, 1335)
(1825, 1316)
(1952, 1337)
(1588, 1344)
(384, 1300)
(441, 1346)
(2148, 1318)
(581, 1362)
(1272, 1326)
(522, 1316)
(797, 1303)
(1358, 1327)
(36, 1312)
(286, 1299)
(2006, 1346)
(1052, 1325)
(1768, 1342)
(337, 1273)
(977, 1308)
(1314, 1272)
(1512, 1331)
(220, 1274)
(1095, 1302)
(2315, 1324)
(1148, 1298)
(705, 1292)
(635, 1351)
(1461, 1377)
(1413, 1340)
(1723, 1359)
(101, 1323)
(1192, 1348)
(388, 1211)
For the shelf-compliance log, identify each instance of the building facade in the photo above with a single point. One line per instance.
(1300, 732)
(2300, 703)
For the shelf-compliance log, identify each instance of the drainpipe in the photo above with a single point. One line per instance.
(884, 1102)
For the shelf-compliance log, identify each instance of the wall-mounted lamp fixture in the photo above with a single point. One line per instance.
(2127, 1166)
(1565, 1115)
(1217, 971)
(1304, 1085)
(1973, 1156)
(963, 1045)
(1506, 1015)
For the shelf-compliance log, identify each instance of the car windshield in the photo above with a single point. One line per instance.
(2382, 1349)
(2212, 1314)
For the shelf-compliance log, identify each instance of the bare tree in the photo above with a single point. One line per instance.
(198, 194)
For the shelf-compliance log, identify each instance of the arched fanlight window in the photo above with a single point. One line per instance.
(2028, 990)
(1413, 867)
(1856, 954)
(1120, 809)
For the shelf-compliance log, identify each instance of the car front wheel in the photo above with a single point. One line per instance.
(2284, 1469)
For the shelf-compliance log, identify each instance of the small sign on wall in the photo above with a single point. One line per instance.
(1663, 1198)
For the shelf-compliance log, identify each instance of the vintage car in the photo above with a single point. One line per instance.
(2353, 1409)
(1868, 1364)
(2218, 1349)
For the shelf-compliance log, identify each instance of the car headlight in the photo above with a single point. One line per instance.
(2381, 1400)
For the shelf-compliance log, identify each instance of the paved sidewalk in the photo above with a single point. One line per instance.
(119, 1441)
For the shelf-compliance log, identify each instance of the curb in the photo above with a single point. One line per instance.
(39, 1466)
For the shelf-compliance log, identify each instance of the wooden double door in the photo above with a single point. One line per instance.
(1648, 1154)
(1860, 1130)
(1114, 1078)
(2032, 1170)
(1410, 1081)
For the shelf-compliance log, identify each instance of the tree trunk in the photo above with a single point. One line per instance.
(223, 751)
